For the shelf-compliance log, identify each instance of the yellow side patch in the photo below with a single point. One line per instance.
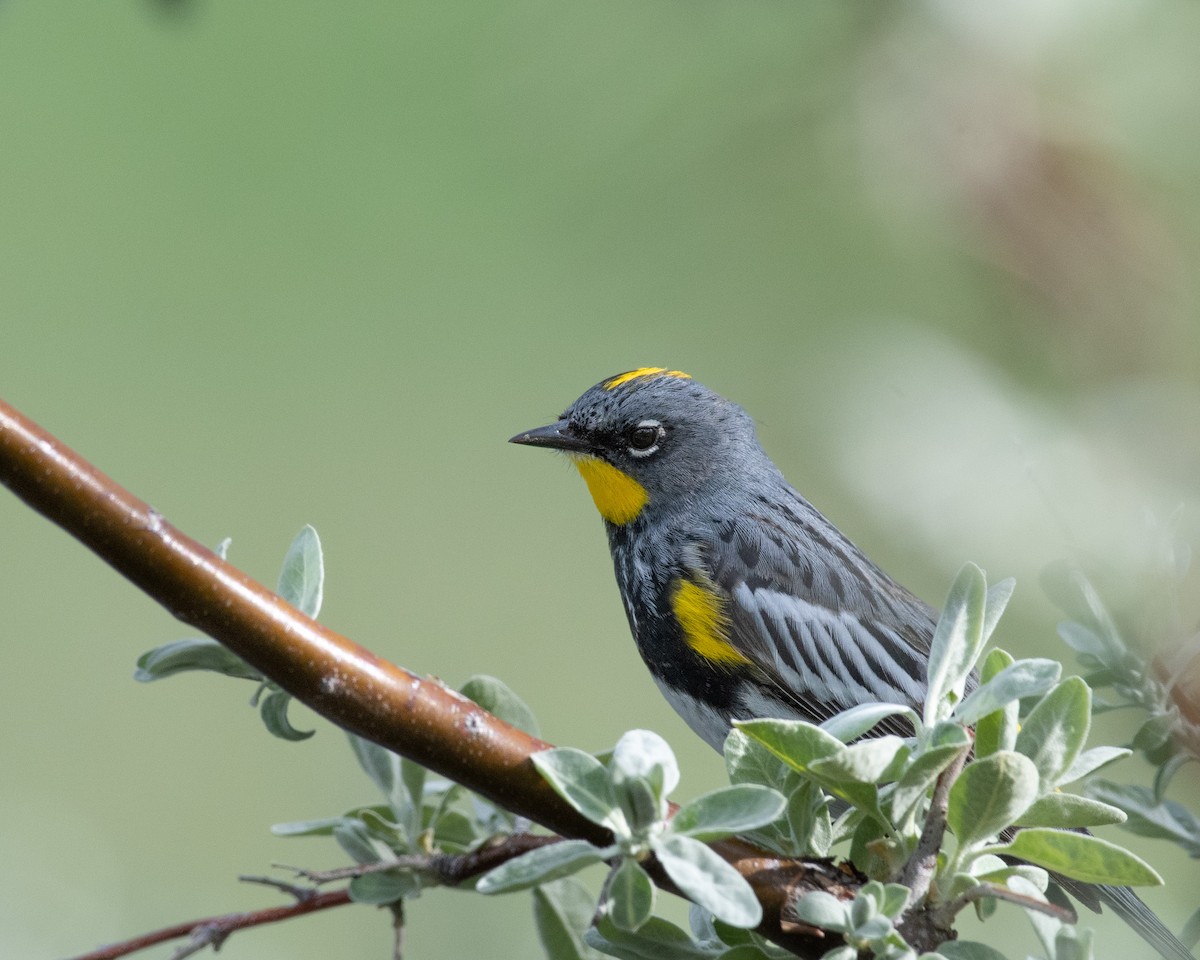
(613, 382)
(705, 624)
(618, 497)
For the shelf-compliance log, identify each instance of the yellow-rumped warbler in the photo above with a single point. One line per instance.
(745, 601)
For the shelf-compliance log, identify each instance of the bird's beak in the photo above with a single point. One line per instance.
(557, 436)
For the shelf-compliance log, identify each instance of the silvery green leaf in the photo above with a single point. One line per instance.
(862, 762)
(1056, 729)
(385, 887)
(728, 810)
(498, 699)
(196, 653)
(946, 741)
(873, 928)
(541, 865)
(657, 939)
(894, 900)
(808, 821)
(1002, 874)
(957, 640)
(1167, 820)
(990, 794)
(998, 595)
(381, 765)
(1080, 856)
(795, 742)
(581, 780)
(643, 811)
(968, 950)
(1089, 761)
(997, 730)
(309, 828)
(274, 712)
(630, 895)
(356, 840)
(643, 754)
(1082, 639)
(562, 911)
(853, 723)
(823, 910)
(1069, 810)
(1024, 678)
(708, 880)
(302, 577)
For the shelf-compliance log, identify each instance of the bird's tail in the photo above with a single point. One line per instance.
(1129, 907)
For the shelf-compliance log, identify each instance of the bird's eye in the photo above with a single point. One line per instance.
(644, 438)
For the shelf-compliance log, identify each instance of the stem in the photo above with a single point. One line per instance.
(922, 865)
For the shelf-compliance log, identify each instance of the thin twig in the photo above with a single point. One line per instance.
(918, 872)
(948, 911)
(213, 930)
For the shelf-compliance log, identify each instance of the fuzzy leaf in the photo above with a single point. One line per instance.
(562, 911)
(1067, 810)
(302, 577)
(630, 895)
(1080, 856)
(581, 780)
(708, 880)
(956, 640)
(1024, 678)
(541, 865)
(498, 699)
(853, 723)
(196, 653)
(728, 810)
(990, 794)
(1056, 729)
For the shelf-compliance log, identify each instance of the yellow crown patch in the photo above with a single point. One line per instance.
(613, 382)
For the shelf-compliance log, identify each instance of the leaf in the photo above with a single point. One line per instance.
(996, 730)
(630, 895)
(1167, 820)
(853, 723)
(1067, 810)
(728, 810)
(644, 755)
(708, 880)
(946, 741)
(957, 639)
(309, 828)
(1056, 729)
(498, 699)
(823, 911)
(562, 911)
(795, 742)
(196, 653)
(990, 794)
(387, 887)
(1079, 856)
(541, 865)
(658, 939)
(274, 713)
(302, 577)
(863, 762)
(581, 780)
(1089, 761)
(380, 764)
(1024, 678)
(998, 596)
(968, 950)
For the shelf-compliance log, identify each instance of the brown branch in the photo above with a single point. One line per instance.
(418, 718)
(212, 931)
(918, 872)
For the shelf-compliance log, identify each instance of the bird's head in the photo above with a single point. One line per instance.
(651, 437)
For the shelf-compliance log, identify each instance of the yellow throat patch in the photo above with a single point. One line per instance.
(701, 614)
(613, 382)
(618, 497)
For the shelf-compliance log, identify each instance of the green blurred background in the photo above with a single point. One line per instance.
(269, 264)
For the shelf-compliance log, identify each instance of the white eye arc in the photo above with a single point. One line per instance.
(645, 438)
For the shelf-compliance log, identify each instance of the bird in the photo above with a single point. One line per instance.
(744, 601)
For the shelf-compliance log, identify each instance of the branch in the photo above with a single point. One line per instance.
(918, 872)
(348, 685)
(212, 931)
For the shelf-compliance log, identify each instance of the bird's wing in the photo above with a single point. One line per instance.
(826, 627)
